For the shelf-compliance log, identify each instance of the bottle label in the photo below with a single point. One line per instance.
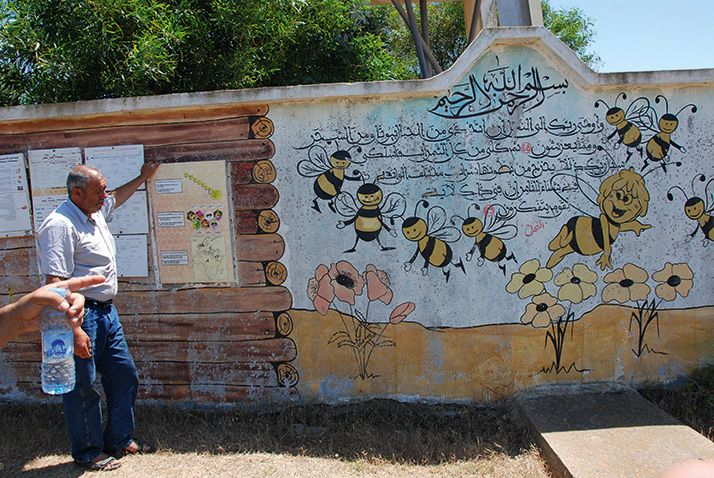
(57, 344)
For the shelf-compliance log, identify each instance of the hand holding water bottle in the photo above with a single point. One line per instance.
(24, 315)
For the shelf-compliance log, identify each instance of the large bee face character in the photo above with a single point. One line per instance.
(623, 197)
(668, 123)
(696, 209)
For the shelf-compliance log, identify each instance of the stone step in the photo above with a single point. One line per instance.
(608, 430)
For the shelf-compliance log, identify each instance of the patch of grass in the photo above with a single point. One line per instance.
(693, 403)
(357, 439)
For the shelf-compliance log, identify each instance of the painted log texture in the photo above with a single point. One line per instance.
(132, 118)
(149, 135)
(203, 344)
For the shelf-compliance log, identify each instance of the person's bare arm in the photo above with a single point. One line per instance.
(124, 192)
(23, 316)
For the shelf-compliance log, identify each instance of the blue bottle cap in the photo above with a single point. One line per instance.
(62, 292)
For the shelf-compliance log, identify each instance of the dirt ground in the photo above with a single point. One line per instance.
(378, 438)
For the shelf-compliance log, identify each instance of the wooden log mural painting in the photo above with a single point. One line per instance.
(195, 344)
(514, 221)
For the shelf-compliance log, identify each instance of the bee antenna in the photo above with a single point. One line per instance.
(694, 108)
(624, 97)
(671, 197)
(423, 201)
(456, 216)
(597, 104)
(666, 103)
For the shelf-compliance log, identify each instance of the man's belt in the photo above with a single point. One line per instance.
(97, 303)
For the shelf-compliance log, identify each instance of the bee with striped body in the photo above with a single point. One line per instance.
(489, 234)
(432, 237)
(329, 174)
(626, 122)
(697, 209)
(657, 147)
(367, 217)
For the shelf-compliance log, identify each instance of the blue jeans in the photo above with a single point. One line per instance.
(82, 406)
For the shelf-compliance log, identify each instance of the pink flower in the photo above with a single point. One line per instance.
(320, 289)
(378, 285)
(401, 311)
(346, 281)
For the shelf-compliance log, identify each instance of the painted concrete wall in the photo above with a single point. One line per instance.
(517, 220)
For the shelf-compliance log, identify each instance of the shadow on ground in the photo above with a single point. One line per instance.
(377, 430)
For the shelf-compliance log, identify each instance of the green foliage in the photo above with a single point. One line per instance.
(573, 28)
(66, 50)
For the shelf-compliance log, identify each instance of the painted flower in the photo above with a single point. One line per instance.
(529, 279)
(577, 284)
(320, 290)
(674, 279)
(543, 310)
(346, 281)
(401, 311)
(626, 284)
(377, 285)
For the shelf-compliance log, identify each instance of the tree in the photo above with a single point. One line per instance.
(66, 50)
(573, 28)
(448, 33)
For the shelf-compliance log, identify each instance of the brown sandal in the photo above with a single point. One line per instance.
(106, 464)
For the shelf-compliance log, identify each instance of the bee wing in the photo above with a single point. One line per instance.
(316, 163)
(447, 234)
(572, 189)
(641, 114)
(435, 218)
(394, 205)
(346, 205)
(505, 231)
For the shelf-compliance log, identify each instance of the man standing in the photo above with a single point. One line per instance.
(75, 241)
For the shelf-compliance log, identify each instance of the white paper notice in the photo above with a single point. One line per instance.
(119, 164)
(14, 197)
(48, 178)
(131, 217)
(132, 256)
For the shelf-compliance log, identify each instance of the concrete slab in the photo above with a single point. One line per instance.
(608, 430)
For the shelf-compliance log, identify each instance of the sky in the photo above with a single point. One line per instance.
(644, 35)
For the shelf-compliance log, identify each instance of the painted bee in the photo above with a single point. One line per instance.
(698, 210)
(626, 122)
(489, 233)
(367, 217)
(329, 174)
(658, 145)
(431, 236)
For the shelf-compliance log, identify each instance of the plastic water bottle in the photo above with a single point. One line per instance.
(57, 350)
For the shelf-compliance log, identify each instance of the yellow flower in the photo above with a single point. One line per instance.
(542, 311)
(626, 284)
(529, 279)
(674, 279)
(577, 284)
